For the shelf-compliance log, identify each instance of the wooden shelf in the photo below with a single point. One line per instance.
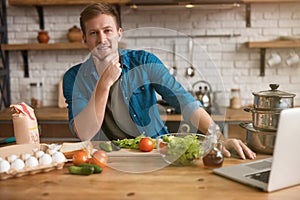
(271, 44)
(60, 2)
(38, 46)
(271, 1)
(275, 44)
(48, 46)
(24, 48)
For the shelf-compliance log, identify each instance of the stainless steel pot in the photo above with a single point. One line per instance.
(267, 107)
(273, 99)
(259, 141)
(265, 120)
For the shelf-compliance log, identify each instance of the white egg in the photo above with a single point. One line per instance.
(39, 154)
(45, 159)
(51, 151)
(25, 156)
(58, 157)
(11, 158)
(54, 146)
(18, 164)
(31, 162)
(4, 165)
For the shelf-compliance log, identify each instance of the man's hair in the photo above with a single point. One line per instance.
(95, 9)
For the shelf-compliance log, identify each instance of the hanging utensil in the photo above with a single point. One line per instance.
(190, 71)
(173, 69)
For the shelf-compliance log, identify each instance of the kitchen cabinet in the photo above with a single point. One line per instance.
(263, 45)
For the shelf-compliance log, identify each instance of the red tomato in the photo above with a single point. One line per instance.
(99, 158)
(80, 157)
(146, 144)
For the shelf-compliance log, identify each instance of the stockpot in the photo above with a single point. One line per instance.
(273, 99)
(264, 120)
(259, 141)
(267, 107)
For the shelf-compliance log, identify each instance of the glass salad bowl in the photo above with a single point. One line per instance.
(183, 148)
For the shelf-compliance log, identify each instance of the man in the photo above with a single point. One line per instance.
(113, 93)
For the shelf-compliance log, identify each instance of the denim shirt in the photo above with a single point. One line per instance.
(143, 75)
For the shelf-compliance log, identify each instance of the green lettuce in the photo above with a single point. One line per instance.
(183, 150)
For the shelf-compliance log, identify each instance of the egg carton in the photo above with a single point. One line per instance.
(20, 149)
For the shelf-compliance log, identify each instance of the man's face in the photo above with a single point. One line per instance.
(102, 35)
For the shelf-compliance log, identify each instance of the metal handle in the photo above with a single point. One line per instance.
(274, 86)
(248, 109)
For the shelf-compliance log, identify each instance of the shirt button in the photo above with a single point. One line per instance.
(126, 98)
(134, 115)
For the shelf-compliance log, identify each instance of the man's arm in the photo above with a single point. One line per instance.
(88, 122)
(201, 119)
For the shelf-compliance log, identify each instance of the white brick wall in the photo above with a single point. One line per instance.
(235, 64)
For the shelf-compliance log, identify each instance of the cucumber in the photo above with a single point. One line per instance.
(105, 146)
(97, 169)
(115, 147)
(84, 170)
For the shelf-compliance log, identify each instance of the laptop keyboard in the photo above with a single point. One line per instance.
(260, 176)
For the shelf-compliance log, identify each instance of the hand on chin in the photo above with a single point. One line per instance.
(103, 60)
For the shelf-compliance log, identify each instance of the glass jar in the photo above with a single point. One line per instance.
(235, 99)
(214, 158)
(36, 91)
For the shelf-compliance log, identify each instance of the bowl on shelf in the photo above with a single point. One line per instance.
(183, 148)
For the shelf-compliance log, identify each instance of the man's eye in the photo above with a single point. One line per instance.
(108, 31)
(93, 33)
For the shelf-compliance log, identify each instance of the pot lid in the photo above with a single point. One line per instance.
(273, 92)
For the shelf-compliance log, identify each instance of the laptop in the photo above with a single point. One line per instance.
(280, 171)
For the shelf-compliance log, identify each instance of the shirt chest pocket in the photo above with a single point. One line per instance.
(142, 97)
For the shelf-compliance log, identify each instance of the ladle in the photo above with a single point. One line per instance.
(190, 71)
(173, 70)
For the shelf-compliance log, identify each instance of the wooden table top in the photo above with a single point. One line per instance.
(188, 183)
(61, 114)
